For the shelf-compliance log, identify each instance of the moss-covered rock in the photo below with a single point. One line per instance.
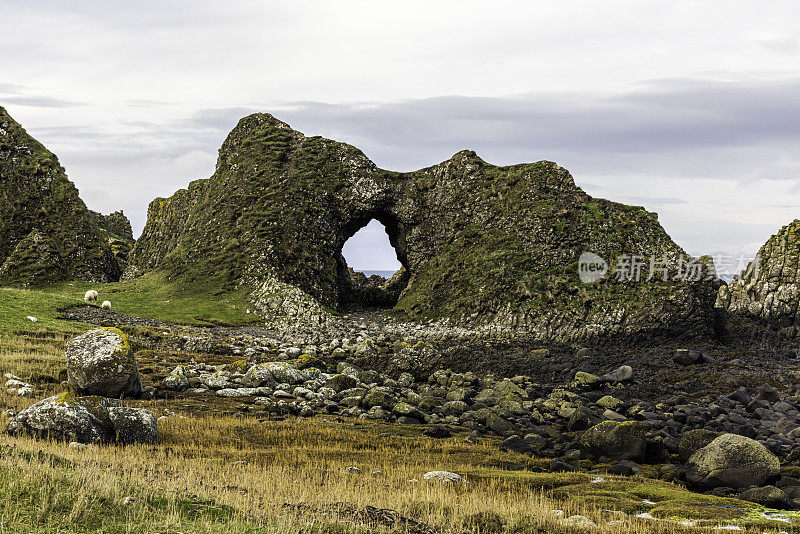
(46, 232)
(87, 419)
(116, 228)
(733, 461)
(480, 244)
(616, 440)
(694, 440)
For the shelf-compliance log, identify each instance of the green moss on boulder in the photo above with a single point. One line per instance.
(616, 440)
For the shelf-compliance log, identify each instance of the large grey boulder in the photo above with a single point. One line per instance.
(616, 440)
(341, 382)
(134, 425)
(101, 362)
(88, 419)
(732, 461)
(259, 375)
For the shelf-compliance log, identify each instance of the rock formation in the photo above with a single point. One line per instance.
(769, 289)
(732, 461)
(480, 244)
(46, 232)
(116, 228)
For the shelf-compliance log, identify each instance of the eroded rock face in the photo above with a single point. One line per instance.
(769, 289)
(101, 362)
(46, 232)
(89, 419)
(480, 244)
(732, 461)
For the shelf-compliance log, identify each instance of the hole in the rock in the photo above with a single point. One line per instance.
(371, 276)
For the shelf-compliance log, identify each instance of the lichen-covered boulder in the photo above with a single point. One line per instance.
(617, 440)
(259, 375)
(101, 362)
(732, 461)
(88, 419)
(83, 419)
(134, 425)
(379, 396)
(694, 440)
(443, 476)
(285, 373)
(404, 409)
(341, 382)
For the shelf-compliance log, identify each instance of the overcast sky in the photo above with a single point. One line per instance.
(691, 109)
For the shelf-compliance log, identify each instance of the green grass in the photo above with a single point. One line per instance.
(17, 304)
(150, 296)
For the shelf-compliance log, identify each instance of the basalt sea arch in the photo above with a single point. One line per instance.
(481, 244)
(355, 289)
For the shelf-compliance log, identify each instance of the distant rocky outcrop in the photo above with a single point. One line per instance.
(117, 230)
(769, 289)
(481, 245)
(46, 232)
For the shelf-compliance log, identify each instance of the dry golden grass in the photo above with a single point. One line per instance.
(202, 461)
(232, 474)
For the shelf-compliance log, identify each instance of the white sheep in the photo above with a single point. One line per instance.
(91, 296)
(106, 305)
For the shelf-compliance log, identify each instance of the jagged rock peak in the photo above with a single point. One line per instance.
(46, 232)
(769, 289)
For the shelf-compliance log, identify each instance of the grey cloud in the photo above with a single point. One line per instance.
(145, 103)
(42, 102)
(661, 116)
(655, 201)
(734, 131)
(11, 88)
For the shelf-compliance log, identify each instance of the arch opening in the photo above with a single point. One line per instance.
(372, 271)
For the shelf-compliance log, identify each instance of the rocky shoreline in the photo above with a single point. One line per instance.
(595, 409)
